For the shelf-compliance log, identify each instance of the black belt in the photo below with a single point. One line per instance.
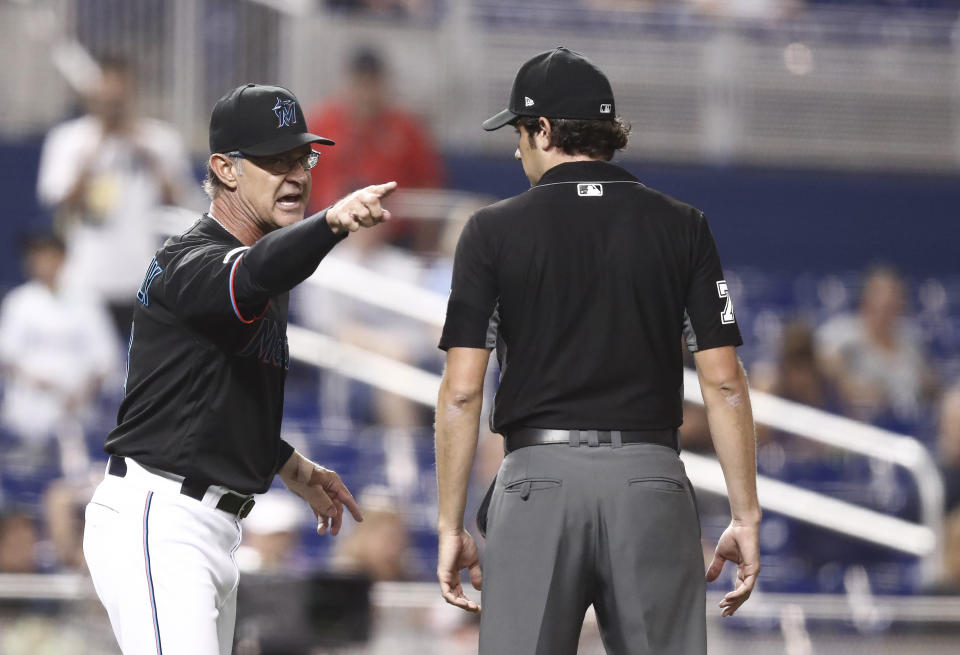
(231, 502)
(523, 437)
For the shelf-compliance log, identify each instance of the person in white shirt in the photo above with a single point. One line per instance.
(105, 175)
(56, 349)
(876, 357)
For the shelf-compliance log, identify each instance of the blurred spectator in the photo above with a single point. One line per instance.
(750, 10)
(797, 374)
(373, 328)
(63, 508)
(56, 349)
(105, 174)
(392, 8)
(951, 554)
(948, 447)
(271, 534)
(18, 543)
(876, 358)
(376, 140)
(377, 547)
(624, 5)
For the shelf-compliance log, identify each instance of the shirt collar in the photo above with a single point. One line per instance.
(585, 171)
(215, 230)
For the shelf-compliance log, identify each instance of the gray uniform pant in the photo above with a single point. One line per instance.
(616, 528)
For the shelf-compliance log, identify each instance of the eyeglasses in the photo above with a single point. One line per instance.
(281, 165)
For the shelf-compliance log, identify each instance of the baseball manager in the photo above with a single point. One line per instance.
(585, 284)
(199, 427)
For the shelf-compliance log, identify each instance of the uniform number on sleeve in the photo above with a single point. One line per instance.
(726, 316)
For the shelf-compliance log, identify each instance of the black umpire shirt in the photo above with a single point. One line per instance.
(584, 284)
(208, 354)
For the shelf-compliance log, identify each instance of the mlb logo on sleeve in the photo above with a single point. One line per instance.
(594, 190)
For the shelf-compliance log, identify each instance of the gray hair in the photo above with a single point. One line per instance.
(212, 185)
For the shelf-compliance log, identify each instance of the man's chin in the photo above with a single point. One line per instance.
(285, 217)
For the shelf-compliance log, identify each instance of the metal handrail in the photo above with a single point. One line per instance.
(924, 541)
(705, 472)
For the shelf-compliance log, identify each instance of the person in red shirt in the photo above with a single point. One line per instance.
(374, 137)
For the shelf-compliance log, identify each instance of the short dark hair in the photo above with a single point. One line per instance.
(593, 138)
(117, 63)
(35, 240)
(367, 61)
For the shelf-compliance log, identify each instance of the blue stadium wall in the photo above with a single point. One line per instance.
(783, 221)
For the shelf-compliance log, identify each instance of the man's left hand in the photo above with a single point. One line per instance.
(739, 543)
(323, 490)
(458, 551)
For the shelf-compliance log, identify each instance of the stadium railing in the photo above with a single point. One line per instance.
(923, 540)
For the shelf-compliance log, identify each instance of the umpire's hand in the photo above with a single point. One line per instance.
(739, 543)
(323, 490)
(361, 208)
(458, 551)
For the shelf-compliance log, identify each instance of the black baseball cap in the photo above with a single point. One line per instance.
(558, 83)
(259, 120)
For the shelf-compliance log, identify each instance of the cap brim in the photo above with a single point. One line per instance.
(284, 143)
(496, 122)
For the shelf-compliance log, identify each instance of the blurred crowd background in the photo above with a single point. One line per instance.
(821, 138)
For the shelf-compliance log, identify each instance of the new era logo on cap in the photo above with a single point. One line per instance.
(527, 101)
(606, 108)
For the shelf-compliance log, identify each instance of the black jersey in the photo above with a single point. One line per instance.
(208, 358)
(584, 284)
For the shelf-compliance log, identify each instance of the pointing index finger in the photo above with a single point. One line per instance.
(350, 503)
(383, 190)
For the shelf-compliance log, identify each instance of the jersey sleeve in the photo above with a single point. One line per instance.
(283, 454)
(198, 284)
(211, 281)
(709, 318)
(283, 259)
(473, 293)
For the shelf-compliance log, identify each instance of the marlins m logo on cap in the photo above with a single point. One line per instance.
(286, 111)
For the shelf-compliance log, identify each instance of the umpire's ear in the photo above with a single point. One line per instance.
(542, 137)
(225, 168)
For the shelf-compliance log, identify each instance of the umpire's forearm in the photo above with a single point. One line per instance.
(730, 417)
(458, 423)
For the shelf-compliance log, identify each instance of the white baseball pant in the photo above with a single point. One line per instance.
(162, 564)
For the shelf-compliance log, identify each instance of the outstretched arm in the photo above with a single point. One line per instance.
(286, 257)
(727, 400)
(458, 423)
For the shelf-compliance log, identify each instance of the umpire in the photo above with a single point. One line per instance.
(199, 428)
(584, 284)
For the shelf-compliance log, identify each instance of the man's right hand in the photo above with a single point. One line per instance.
(361, 208)
(458, 551)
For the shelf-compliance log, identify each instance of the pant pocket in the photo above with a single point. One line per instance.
(660, 484)
(528, 485)
(99, 516)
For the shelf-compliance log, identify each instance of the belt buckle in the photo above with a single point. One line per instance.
(246, 507)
